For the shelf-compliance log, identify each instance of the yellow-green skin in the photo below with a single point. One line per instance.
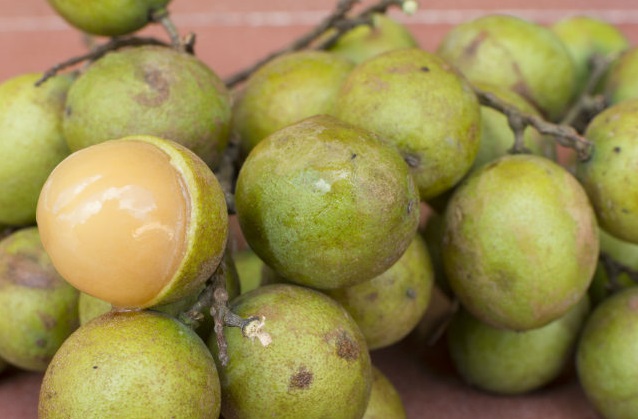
(366, 41)
(90, 307)
(419, 104)
(390, 305)
(608, 175)
(620, 82)
(286, 90)
(326, 204)
(385, 401)
(249, 267)
(497, 137)
(38, 308)
(107, 17)
(31, 142)
(511, 52)
(152, 90)
(135, 364)
(316, 366)
(508, 362)
(606, 356)
(520, 242)
(584, 37)
(619, 251)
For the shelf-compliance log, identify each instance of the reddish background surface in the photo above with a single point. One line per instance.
(231, 34)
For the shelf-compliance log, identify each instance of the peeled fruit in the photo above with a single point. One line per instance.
(586, 36)
(310, 360)
(517, 54)
(509, 362)
(497, 137)
(135, 364)
(152, 90)
(383, 34)
(107, 17)
(385, 401)
(606, 357)
(286, 90)
(387, 307)
(420, 105)
(312, 198)
(620, 82)
(520, 242)
(38, 308)
(608, 174)
(31, 142)
(136, 222)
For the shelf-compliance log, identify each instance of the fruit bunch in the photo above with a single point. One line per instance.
(177, 245)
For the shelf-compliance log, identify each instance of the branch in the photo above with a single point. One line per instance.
(589, 103)
(99, 51)
(343, 7)
(227, 171)
(162, 17)
(614, 269)
(565, 135)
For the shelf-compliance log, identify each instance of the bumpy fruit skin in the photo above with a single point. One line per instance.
(586, 36)
(419, 104)
(385, 401)
(508, 362)
(326, 204)
(497, 137)
(31, 142)
(512, 52)
(366, 41)
(390, 305)
(206, 228)
(152, 90)
(520, 242)
(317, 364)
(618, 251)
(606, 356)
(286, 90)
(136, 364)
(38, 308)
(608, 175)
(620, 83)
(107, 17)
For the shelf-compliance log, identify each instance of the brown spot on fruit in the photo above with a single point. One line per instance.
(48, 321)
(372, 296)
(301, 380)
(471, 49)
(26, 271)
(158, 91)
(633, 303)
(347, 348)
(410, 293)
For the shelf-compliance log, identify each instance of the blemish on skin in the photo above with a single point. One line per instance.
(412, 160)
(410, 293)
(353, 156)
(347, 347)
(94, 367)
(41, 343)
(322, 186)
(301, 380)
(425, 69)
(616, 149)
(372, 296)
(633, 303)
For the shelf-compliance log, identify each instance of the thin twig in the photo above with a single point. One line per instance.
(339, 13)
(99, 51)
(565, 135)
(162, 16)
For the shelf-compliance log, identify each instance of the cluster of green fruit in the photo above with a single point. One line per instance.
(118, 220)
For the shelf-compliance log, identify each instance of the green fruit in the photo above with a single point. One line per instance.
(313, 361)
(519, 55)
(620, 82)
(135, 364)
(38, 308)
(249, 267)
(508, 362)
(520, 242)
(107, 17)
(620, 252)
(152, 90)
(90, 307)
(433, 236)
(606, 356)
(608, 175)
(313, 197)
(385, 401)
(419, 104)
(286, 90)
(390, 305)
(586, 36)
(31, 142)
(138, 221)
(497, 137)
(383, 34)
